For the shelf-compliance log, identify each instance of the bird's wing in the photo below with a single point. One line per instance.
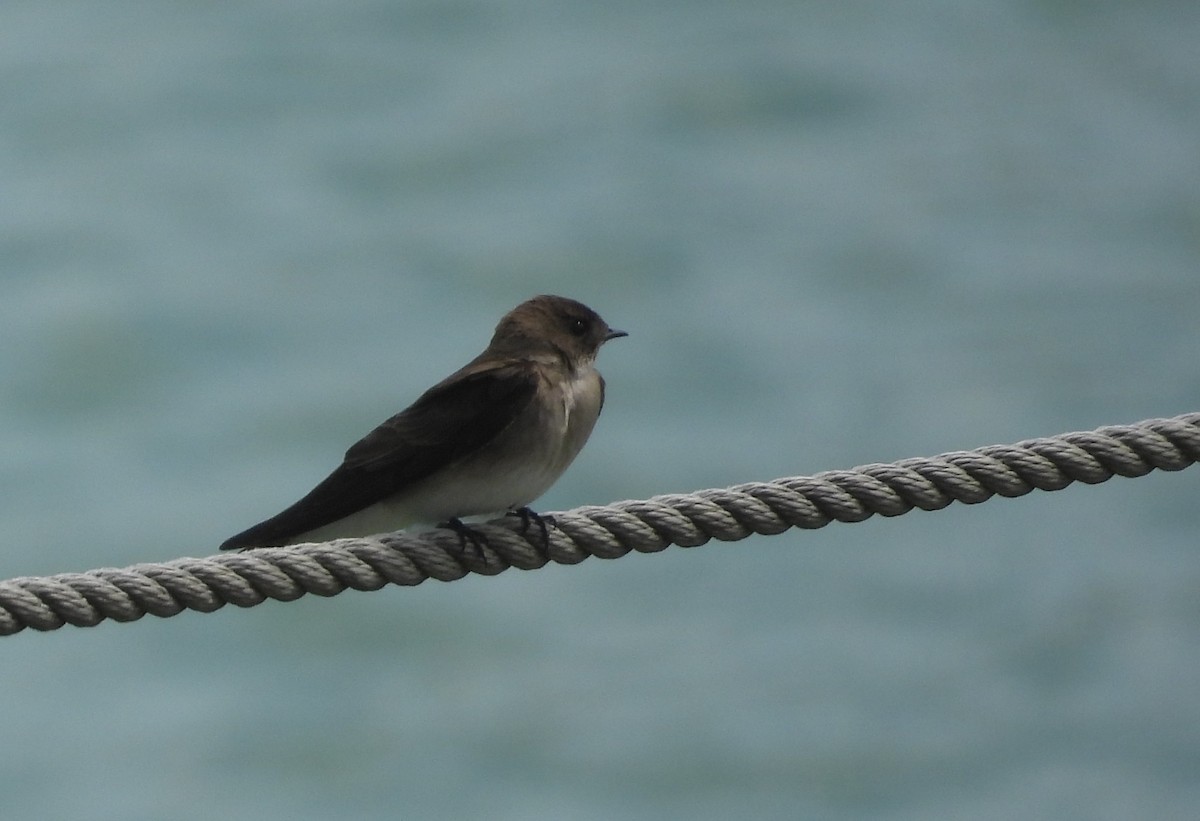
(450, 420)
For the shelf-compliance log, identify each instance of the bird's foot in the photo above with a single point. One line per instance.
(544, 523)
(467, 536)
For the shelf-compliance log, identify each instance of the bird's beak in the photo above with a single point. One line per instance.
(613, 333)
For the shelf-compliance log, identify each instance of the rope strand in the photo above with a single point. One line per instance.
(610, 531)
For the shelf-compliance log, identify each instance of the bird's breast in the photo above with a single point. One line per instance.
(524, 459)
(580, 401)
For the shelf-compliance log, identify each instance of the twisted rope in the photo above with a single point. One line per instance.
(649, 525)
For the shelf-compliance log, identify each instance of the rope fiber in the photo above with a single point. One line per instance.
(649, 525)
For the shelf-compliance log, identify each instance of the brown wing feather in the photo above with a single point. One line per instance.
(451, 419)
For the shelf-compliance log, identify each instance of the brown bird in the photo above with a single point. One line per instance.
(493, 436)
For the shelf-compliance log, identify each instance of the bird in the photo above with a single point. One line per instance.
(491, 437)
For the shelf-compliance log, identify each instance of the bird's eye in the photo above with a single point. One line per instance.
(577, 327)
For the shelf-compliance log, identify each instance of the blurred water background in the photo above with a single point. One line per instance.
(235, 236)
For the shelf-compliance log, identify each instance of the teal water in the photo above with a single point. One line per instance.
(235, 237)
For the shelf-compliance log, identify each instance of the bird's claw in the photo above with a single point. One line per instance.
(467, 536)
(543, 522)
